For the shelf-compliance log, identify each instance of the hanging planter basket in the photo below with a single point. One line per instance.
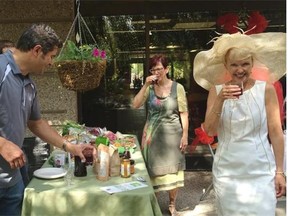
(80, 66)
(81, 75)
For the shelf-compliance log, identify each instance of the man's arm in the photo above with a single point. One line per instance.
(48, 134)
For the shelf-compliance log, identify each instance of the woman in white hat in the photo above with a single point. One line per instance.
(247, 177)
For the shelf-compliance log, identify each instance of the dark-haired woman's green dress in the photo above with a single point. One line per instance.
(162, 136)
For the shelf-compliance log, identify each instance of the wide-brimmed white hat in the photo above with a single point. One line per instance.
(268, 50)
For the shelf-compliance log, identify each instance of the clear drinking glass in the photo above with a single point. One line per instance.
(68, 178)
(69, 167)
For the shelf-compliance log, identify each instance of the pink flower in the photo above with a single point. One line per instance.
(103, 54)
(96, 52)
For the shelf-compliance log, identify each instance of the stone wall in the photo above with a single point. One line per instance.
(57, 103)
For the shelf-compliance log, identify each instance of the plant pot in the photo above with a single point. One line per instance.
(81, 75)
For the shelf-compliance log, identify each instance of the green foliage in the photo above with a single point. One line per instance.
(87, 52)
(68, 125)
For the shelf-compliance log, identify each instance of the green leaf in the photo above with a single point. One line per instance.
(72, 52)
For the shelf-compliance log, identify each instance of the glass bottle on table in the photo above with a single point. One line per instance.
(127, 154)
(132, 166)
(80, 167)
(125, 168)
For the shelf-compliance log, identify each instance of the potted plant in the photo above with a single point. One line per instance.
(80, 68)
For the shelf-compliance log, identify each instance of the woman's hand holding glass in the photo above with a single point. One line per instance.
(232, 90)
(152, 79)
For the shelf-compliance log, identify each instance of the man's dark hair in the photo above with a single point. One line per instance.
(5, 44)
(39, 34)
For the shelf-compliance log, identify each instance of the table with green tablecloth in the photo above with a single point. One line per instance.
(84, 197)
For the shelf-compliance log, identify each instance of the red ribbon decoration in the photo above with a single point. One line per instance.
(202, 137)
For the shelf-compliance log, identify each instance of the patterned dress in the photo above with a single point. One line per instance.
(244, 165)
(162, 135)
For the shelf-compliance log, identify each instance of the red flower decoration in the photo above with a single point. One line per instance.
(228, 22)
(257, 23)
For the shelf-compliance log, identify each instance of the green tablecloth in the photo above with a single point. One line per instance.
(52, 197)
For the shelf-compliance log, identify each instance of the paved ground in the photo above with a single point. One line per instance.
(189, 203)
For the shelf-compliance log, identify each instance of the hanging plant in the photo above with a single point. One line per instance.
(253, 23)
(81, 68)
(86, 52)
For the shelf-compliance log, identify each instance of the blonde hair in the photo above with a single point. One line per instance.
(235, 53)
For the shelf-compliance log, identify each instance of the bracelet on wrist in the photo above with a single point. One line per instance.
(281, 173)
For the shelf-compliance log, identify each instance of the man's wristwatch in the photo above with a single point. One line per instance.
(64, 145)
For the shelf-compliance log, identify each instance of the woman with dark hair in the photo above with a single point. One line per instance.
(165, 133)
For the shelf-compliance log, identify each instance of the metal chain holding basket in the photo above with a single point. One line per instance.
(80, 74)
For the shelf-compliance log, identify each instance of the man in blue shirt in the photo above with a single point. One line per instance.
(19, 108)
(6, 45)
